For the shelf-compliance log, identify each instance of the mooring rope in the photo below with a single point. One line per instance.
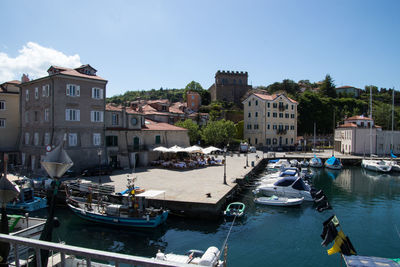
(227, 236)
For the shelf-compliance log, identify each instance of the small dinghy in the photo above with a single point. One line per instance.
(235, 209)
(279, 201)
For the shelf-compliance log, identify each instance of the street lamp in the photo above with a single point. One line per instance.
(99, 152)
(225, 149)
(247, 158)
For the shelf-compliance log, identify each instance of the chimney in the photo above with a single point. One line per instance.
(25, 78)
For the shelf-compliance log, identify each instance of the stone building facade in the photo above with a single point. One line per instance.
(130, 137)
(270, 120)
(230, 86)
(69, 105)
(9, 120)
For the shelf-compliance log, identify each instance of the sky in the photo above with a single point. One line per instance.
(141, 45)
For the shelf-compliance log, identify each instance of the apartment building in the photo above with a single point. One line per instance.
(131, 137)
(270, 120)
(67, 105)
(9, 120)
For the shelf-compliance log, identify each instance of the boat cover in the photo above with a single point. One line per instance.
(359, 261)
(273, 160)
(333, 161)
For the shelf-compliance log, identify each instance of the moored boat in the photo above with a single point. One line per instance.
(376, 165)
(316, 162)
(235, 209)
(279, 201)
(26, 200)
(195, 257)
(333, 163)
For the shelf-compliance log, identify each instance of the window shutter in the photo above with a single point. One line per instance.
(78, 90)
(92, 116)
(78, 115)
(44, 90)
(101, 116)
(67, 92)
(101, 93)
(93, 89)
(67, 114)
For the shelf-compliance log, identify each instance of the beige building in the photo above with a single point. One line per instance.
(9, 120)
(67, 103)
(130, 137)
(355, 137)
(270, 120)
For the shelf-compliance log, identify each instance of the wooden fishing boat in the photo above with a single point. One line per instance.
(235, 209)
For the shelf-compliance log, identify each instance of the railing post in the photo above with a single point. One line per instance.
(16, 254)
(116, 264)
(38, 257)
(62, 254)
(88, 262)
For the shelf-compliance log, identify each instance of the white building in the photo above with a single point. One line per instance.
(270, 120)
(355, 137)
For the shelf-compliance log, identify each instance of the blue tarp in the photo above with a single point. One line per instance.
(365, 261)
(273, 161)
(392, 155)
(333, 161)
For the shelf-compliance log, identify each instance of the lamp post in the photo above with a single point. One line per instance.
(225, 149)
(99, 152)
(247, 158)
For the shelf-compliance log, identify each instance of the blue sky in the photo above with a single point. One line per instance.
(152, 44)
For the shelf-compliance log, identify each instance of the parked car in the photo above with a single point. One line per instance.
(97, 170)
(252, 149)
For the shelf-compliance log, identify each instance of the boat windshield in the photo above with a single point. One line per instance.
(300, 185)
(287, 181)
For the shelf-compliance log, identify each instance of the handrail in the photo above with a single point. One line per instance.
(86, 253)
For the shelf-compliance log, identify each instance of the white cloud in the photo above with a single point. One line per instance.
(34, 60)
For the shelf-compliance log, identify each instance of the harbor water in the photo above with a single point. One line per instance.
(367, 205)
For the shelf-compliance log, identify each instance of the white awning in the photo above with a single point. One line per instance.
(150, 193)
(210, 149)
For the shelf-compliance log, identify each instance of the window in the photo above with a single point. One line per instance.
(287, 115)
(37, 93)
(291, 141)
(26, 138)
(256, 114)
(158, 139)
(292, 107)
(268, 105)
(268, 126)
(46, 114)
(248, 126)
(275, 105)
(249, 115)
(268, 114)
(292, 116)
(72, 139)
(2, 105)
(96, 139)
(274, 127)
(286, 127)
(287, 106)
(291, 127)
(164, 108)
(96, 116)
(27, 95)
(286, 141)
(256, 102)
(97, 93)
(72, 115)
(46, 90)
(268, 141)
(255, 126)
(73, 90)
(46, 139)
(111, 140)
(249, 103)
(36, 139)
(274, 114)
(36, 115)
(2, 123)
(192, 97)
(114, 119)
(274, 141)
(280, 115)
(256, 141)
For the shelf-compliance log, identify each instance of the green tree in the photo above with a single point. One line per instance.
(239, 130)
(218, 133)
(327, 87)
(194, 133)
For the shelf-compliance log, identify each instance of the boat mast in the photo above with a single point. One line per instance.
(333, 141)
(391, 138)
(314, 135)
(370, 124)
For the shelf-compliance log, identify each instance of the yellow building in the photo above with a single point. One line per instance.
(270, 120)
(9, 119)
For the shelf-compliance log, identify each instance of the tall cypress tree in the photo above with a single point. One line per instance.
(327, 87)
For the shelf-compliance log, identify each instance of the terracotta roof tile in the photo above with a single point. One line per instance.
(73, 72)
(348, 125)
(111, 107)
(160, 126)
(358, 118)
(273, 97)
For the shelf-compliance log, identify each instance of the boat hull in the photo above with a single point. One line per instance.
(333, 167)
(370, 165)
(285, 202)
(37, 204)
(145, 222)
(269, 191)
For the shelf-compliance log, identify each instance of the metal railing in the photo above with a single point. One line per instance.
(86, 253)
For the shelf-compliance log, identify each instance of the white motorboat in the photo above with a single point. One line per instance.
(395, 166)
(304, 163)
(294, 163)
(273, 177)
(376, 165)
(195, 257)
(288, 187)
(277, 164)
(316, 162)
(279, 201)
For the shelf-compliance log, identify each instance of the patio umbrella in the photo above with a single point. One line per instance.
(194, 149)
(161, 149)
(176, 149)
(210, 149)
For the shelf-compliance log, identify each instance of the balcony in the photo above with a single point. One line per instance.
(281, 131)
